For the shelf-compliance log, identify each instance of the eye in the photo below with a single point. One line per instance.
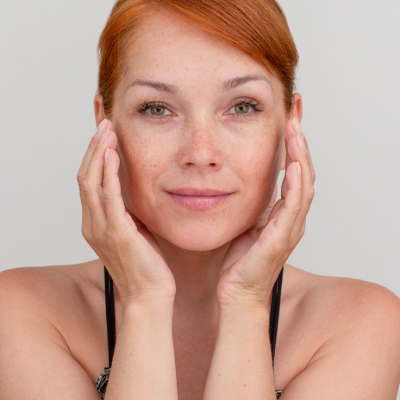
(242, 107)
(156, 109)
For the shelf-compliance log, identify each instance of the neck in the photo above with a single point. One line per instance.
(196, 276)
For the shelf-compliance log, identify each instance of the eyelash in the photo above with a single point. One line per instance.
(252, 103)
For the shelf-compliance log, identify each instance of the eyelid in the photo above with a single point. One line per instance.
(257, 107)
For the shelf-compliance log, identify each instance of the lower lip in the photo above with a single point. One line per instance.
(199, 203)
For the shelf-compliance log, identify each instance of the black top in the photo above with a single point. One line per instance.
(101, 382)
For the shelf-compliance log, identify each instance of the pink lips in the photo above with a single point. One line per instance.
(198, 199)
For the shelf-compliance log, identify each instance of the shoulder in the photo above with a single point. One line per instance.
(338, 304)
(349, 329)
(351, 302)
(341, 300)
(48, 328)
(324, 312)
(47, 286)
(68, 300)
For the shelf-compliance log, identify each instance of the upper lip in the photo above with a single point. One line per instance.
(198, 192)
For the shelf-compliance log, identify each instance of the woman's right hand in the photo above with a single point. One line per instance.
(123, 243)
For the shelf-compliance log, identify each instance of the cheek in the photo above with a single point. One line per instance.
(258, 163)
(142, 162)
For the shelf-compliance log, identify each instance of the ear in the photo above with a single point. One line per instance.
(99, 109)
(297, 111)
(297, 107)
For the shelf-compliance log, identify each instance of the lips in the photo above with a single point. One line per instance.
(198, 192)
(198, 199)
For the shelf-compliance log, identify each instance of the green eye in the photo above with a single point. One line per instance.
(242, 108)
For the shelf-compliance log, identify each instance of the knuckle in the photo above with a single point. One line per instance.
(86, 233)
(311, 194)
(303, 230)
(297, 208)
(106, 194)
(85, 185)
(79, 177)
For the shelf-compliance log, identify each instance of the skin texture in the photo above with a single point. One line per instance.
(337, 338)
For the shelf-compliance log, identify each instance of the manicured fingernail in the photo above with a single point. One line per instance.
(298, 168)
(106, 155)
(105, 136)
(102, 126)
(301, 143)
(296, 125)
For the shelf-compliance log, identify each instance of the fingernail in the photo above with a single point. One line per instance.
(296, 125)
(105, 136)
(106, 155)
(301, 143)
(102, 126)
(298, 168)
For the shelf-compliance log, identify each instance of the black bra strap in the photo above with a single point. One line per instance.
(110, 313)
(274, 315)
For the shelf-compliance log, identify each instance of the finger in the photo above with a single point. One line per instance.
(300, 153)
(289, 134)
(92, 147)
(94, 180)
(86, 218)
(81, 176)
(264, 218)
(297, 127)
(114, 204)
(276, 209)
(281, 224)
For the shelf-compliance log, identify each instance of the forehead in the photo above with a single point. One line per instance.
(163, 46)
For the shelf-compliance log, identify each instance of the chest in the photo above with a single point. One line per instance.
(193, 357)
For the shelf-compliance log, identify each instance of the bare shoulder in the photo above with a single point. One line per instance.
(349, 301)
(55, 309)
(51, 287)
(339, 298)
(337, 304)
(348, 330)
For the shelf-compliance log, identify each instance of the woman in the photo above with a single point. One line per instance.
(196, 116)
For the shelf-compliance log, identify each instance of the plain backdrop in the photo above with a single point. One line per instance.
(348, 76)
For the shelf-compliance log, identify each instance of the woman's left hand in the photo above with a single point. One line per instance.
(256, 257)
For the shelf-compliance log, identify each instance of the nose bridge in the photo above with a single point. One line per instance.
(201, 145)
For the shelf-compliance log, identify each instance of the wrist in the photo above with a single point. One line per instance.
(244, 311)
(149, 305)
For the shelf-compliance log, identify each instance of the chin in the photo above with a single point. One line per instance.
(196, 238)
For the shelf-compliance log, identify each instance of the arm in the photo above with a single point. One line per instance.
(241, 367)
(143, 365)
(144, 360)
(36, 362)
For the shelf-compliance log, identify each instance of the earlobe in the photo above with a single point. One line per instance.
(98, 109)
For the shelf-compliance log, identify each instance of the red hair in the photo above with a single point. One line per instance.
(255, 27)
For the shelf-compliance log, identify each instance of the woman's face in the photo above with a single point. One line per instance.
(200, 133)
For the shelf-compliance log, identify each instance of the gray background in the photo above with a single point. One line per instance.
(349, 79)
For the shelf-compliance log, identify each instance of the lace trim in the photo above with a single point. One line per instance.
(102, 381)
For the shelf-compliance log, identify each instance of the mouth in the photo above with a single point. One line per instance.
(198, 199)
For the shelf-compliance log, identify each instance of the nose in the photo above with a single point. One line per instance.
(201, 148)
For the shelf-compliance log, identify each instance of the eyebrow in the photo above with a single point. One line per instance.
(224, 87)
